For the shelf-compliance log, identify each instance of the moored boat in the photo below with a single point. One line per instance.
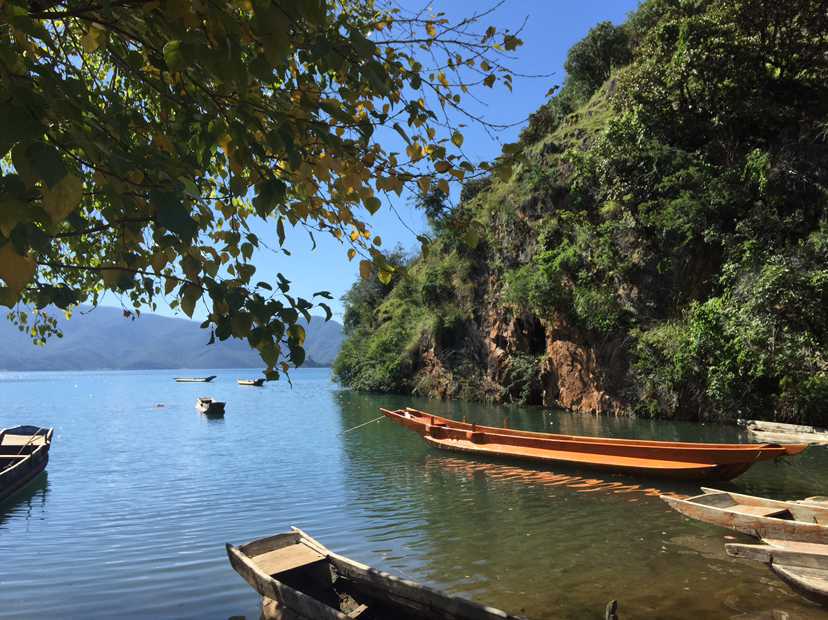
(195, 379)
(24, 453)
(780, 432)
(209, 407)
(301, 578)
(756, 516)
(803, 566)
(671, 459)
(251, 382)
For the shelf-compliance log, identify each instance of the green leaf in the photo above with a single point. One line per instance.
(457, 139)
(174, 56)
(189, 296)
(173, 215)
(15, 270)
(17, 123)
(372, 204)
(63, 198)
(46, 162)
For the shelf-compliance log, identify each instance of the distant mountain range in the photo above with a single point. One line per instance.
(103, 339)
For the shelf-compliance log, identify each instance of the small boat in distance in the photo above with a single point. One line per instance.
(666, 459)
(252, 382)
(803, 566)
(24, 453)
(756, 516)
(195, 379)
(301, 578)
(209, 407)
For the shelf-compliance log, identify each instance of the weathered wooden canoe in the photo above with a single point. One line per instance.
(756, 516)
(785, 433)
(301, 578)
(24, 453)
(252, 382)
(671, 459)
(195, 379)
(209, 407)
(803, 566)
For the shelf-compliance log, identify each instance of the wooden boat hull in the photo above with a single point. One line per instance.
(756, 516)
(675, 460)
(20, 463)
(305, 580)
(805, 571)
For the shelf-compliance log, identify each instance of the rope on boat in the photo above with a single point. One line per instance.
(353, 428)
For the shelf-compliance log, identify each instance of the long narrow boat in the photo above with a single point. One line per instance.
(303, 579)
(803, 566)
(785, 433)
(195, 379)
(251, 382)
(209, 407)
(24, 453)
(756, 516)
(671, 459)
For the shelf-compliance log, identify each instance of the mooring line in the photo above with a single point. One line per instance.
(353, 428)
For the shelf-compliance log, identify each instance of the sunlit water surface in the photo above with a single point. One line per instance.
(140, 498)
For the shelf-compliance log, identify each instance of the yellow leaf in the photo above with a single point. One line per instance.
(385, 276)
(377, 240)
(457, 139)
(17, 271)
(443, 186)
(158, 261)
(442, 166)
(92, 40)
(431, 30)
(424, 183)
(365, 269)
(354, 235)
(351, 253)
(60, 200)
(442, 77)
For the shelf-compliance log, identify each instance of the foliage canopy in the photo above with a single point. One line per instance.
(140, 139)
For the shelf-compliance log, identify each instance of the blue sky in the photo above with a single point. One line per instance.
(551, 28)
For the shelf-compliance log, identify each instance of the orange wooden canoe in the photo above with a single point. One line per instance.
(670, 459)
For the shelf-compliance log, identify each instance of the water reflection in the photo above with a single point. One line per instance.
(27, 503)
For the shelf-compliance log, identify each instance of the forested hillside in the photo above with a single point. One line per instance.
(660, 247)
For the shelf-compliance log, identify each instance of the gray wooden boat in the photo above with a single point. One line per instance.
(803, 566)
(756, 516)
(24, 453)
(209, 407)
(300, 578)
(195, 379)
(251, 382)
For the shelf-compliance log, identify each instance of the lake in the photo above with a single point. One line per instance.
(142, 492)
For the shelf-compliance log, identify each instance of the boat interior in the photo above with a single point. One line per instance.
(289, 559)
(743, 505)
(18, 443)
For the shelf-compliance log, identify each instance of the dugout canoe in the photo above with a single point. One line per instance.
(301, 578)
(666, 459)
(251, 382)
(24, 453)
(195, 379)
(756, 516)
(209, 407)
(803, 566)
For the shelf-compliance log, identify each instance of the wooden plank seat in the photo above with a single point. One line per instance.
(287, 558)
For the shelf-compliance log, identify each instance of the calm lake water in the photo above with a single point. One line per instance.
(131, 519)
